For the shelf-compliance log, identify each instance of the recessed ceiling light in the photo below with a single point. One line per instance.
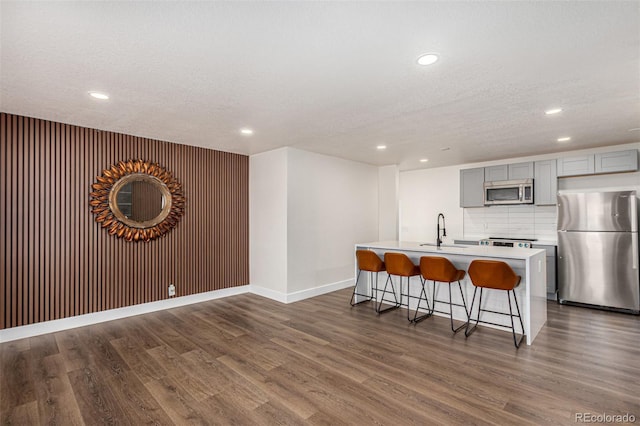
(99, 95)
(564, 139)
(424, 160)
(246, 131)
(428, 59)
(553, 111)
(381, 147)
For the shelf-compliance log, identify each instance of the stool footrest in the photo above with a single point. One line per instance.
(390, 308)
(370, 298)
(510, 314)
(506, 327)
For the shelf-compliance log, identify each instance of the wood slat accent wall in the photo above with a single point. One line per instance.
(58, 262)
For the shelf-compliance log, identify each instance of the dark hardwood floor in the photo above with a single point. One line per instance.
(249, 360)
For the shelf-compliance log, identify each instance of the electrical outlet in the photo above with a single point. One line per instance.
(172, 290)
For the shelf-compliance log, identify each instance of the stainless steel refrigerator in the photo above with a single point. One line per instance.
(598, 249)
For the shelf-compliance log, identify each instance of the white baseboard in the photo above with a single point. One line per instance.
(302, 294)
(278, 296)
(37, 329)
(317, 291)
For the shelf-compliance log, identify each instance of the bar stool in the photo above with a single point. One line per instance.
(400, 265)
(441, 270)
(370, 262)
(497, 275)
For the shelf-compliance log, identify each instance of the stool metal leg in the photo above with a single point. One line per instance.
(464, 303)
(416, 318)
(408, 297)
(355, 293)
(518, 308)
(397, 305)
(468, 331)
(513, 328)
(455, 330)
(376, 290)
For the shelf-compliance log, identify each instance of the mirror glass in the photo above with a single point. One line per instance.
(140, 200)
(137, 200)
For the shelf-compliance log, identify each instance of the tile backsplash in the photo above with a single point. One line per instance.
(511, 221)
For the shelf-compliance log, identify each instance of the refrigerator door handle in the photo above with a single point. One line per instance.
(634, 251)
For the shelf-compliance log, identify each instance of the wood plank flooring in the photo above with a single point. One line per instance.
(248, 360)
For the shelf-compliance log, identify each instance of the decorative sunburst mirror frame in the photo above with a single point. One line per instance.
(105, 206)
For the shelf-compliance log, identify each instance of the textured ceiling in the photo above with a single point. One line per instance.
(336, 78)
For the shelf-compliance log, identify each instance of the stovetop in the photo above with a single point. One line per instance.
(508, 242)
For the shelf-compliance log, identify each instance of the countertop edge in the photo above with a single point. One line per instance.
(480, 251)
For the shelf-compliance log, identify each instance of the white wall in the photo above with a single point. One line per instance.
(425, 193)
(307, 211)
(332, 205)
(268, 220)
(388, 186)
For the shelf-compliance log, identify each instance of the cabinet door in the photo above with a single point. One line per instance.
(545, 184)
(573, 166)
(496, 173)
(620, 161)
(471, 187)
(521, 170)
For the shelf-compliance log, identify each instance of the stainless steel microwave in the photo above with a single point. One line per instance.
(508, 192)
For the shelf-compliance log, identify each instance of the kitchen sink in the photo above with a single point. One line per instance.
(443, 245)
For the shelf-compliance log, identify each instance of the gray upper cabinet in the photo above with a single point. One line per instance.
(619, 161)
(573, 166)
(545, 173)
(495, 173)
(471, 187)
(545, 185)
(521, 170)
(605, 162)
(509, 172)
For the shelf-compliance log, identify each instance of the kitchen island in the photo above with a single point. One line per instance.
(529, 263)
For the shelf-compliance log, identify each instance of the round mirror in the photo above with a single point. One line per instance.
(137, 200)
(140, 200)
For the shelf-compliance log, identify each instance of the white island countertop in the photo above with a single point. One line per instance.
(529, 263)
(455, 249)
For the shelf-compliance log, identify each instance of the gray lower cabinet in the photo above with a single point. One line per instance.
(619, 161)
(471, 187)
(552, 286)
(545, 185)
(574, 166)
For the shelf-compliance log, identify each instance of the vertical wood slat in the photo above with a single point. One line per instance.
(3, 223)
(55, 259)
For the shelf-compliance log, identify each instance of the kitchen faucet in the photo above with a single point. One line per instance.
(444, 230)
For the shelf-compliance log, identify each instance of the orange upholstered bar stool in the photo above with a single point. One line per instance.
(398, 264)
(496, 275)
(370, 262)
(441, 270)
